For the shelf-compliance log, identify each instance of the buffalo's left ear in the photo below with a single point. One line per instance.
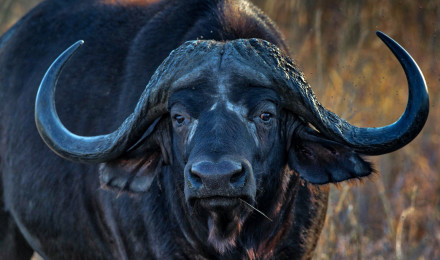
(319, 160)
(136, 170)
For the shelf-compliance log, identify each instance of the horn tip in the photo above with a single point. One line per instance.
(382, 35)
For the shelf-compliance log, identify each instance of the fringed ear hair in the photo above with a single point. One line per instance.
(319, 160)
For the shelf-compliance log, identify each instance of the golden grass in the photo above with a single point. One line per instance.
(397, 215)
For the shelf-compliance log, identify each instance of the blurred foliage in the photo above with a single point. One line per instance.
(12, 10)
(395, 214)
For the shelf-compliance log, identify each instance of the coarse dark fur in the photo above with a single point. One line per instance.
(60, 207)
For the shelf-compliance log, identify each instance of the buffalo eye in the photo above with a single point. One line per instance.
(266, 117)
(179, 119)
(265, 113)
(179, 115)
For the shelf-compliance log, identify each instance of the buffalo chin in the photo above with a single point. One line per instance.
(225, 217)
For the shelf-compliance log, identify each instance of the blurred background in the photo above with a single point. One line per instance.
(395, 214)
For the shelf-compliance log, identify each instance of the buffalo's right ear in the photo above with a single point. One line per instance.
(134, 174)
(136, 170)
(320, 160)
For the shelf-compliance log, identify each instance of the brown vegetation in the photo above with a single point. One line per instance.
(396, 215)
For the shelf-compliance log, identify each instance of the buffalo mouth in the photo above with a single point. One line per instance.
(223, 217)
(219, 203)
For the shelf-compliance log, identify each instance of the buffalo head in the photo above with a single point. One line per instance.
(235, 123)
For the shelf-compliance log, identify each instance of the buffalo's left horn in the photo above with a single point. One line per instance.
(380, 140)
(91, 149)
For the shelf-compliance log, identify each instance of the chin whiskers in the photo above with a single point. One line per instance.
(253, 208)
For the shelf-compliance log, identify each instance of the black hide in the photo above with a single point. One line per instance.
(142, 209)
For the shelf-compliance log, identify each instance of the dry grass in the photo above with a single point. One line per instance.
(396, 215)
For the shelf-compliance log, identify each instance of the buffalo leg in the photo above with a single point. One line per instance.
(12, 244)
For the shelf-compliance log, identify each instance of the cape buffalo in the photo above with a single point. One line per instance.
(188, 132)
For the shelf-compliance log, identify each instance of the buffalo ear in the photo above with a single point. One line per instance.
(137, 169)
(133, 175)
(319, 160)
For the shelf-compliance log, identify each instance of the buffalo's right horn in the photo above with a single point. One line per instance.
(151, 106)
(92, 149)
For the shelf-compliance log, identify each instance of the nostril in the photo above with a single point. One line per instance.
(195, 178)
(238, 178)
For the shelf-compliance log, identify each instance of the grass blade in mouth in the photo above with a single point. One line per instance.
(252, 207)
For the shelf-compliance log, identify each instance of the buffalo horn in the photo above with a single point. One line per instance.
(93, 149)
(380, 140)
